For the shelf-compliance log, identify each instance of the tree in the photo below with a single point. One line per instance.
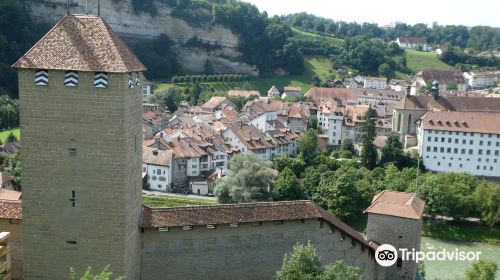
(307, 145)
(452, 86)
(169, 98)
(286, 186)
(346, 149)
(312, 122)
(337, 191)
(481, 270)
(369, 151)
(11, 137)
(311, 181)
(393, 150)
(487, 198)
(302, 264)
(250, 180)
(105, 274)
(340, 270)
(384, 70)
(13, 168)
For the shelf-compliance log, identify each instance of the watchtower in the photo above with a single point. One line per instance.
(395, 218)
(81, 126)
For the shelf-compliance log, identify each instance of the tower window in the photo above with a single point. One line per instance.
(137, 80)
(41, 78)
(71, 79)
(130, 81)
(101, 80)
(72, 146)
(73, 198)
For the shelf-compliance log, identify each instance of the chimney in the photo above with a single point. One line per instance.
(408, 90)
(155, 152)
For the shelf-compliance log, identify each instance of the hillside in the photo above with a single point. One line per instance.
(320, 66)
(417, 61)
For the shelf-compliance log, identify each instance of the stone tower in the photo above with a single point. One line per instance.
(395, 218)
(81, 125)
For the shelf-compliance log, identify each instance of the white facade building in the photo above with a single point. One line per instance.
(460, 142)
(375, 82)
(480, 80)
(157, 166)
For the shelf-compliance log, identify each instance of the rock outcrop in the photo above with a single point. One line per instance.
(130, 25)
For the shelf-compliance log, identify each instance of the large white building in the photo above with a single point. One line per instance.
(460, 142)
(330, 120)
(480, 80)
(375, 82)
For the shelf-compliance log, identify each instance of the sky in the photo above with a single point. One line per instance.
(469, 13)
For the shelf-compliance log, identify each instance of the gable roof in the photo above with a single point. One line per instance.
(81, 43)
(11, 209)
(243, 213)
(156, 157)
(480, 122)
(449, 103)
(442, 76)
(319, 93)
(398, 204)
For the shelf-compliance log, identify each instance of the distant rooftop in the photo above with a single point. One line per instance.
(81, 43)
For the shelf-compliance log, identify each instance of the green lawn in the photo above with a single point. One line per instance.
(320, 66)
(5, 133)
(174, 201)
(417, 61)
(451, 270)
(462, 232)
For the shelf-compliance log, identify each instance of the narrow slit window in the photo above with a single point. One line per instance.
(73, 199)
(41, 78)
(101, 80)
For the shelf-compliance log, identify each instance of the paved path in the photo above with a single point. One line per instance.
(153, 193)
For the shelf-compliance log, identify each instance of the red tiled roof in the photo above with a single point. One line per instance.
(242, 213)
(81, 43)
(398, 204)
(6, 194)
(11, 209)
(480, 122)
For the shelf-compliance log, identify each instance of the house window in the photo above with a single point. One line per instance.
(101, 80)
(71, 78)
(428, 149)
(41, 77)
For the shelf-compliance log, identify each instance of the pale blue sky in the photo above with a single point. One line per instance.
(476, 12)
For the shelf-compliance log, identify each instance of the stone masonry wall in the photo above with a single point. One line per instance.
(102, 227)
(246, 252)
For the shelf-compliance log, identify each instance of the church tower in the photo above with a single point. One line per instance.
(81, 151)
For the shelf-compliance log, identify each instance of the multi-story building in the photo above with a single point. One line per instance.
(375, 82)
(330, 120)
(480, 80)
(446, 80)
(157, 166)
(460, 142)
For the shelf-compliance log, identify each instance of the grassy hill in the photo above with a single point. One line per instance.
(320, 66)
(417, 61)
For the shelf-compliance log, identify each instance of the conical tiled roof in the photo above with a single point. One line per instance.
(81, 43)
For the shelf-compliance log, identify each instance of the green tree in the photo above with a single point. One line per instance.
(286, 186)
(337, 191)
(169, 98)
(452, 86)
(302, 264)
(309, 184)
(385, 70)
(250, 180)
(307, 145)
(11, 137)
(369, 151)
(487, 199)
(481, 270)
(312, 122)
(339, 270)
(346, 149)
(13, 168)
(392, 151)
(105, 274)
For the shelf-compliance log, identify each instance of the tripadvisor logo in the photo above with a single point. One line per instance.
(386, 255)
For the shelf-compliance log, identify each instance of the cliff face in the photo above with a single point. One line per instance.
(122, 19)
